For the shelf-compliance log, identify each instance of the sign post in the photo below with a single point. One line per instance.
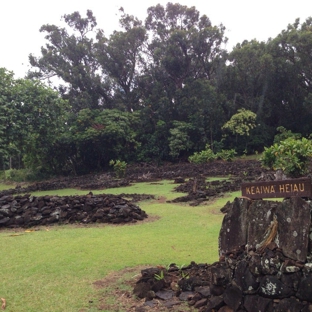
(278, 189)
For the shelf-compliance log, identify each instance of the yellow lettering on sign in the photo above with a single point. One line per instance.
(272, 189)
(295, 188)
(266, 189)
(258, 190)
(287, 188)
(252, 190)
(301, 187)
(282, 188)
(247, 190)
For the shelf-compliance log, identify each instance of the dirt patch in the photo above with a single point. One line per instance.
(161, 200)
(117, 293)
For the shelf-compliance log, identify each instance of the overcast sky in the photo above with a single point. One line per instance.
(244, 19)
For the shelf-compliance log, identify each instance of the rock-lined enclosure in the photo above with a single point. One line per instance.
(265, 263)
(28, 211)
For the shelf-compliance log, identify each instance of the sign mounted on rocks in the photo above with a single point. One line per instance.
(278, 189)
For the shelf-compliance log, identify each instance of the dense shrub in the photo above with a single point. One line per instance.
(227, 155)
(290, 155)
(208, 155)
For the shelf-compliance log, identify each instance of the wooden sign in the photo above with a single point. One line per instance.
(278, 189)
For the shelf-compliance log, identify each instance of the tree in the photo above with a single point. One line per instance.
(40, 120)
(99, 136)
(179, 139)
(241, 124)
(7, 116)
(71, 58)
(183, 43)
(120, 57)
(248, 76)
(291, 87)
(32, 118)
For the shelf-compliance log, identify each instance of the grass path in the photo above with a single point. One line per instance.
(53, 269)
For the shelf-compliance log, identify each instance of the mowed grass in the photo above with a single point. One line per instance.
(53, 269)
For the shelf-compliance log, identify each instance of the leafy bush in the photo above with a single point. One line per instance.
(285, 134)
(227, 155)
(291, 156)
(203, 156)
(208, 155)
(119, 167)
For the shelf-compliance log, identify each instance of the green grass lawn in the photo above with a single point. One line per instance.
(53, 269)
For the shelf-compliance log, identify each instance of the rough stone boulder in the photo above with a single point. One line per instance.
(250, 223)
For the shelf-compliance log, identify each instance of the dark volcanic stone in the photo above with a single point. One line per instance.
(233, 231)
(164, 294)
(214, 303)
(294, 220)
(259, 218)
(216, 290)
(200, 303)
(253, 303)
(244, 278)
(272, 287)
(203, 290)
(185, 295)
(289, 305)
(233, 297)
(141, 290)
(305, 288)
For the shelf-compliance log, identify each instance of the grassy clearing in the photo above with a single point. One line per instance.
(53, 269)
(6, 186)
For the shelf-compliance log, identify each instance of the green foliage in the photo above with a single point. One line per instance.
(208, 155)
(119, 167)
(179, 140)
(159, 276)
(203, 156)
(285, 134)
(98, 136)
(32, 116)
(241, 123)
(291, 156)
(227, 155)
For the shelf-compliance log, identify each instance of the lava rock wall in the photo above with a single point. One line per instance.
(27, 210)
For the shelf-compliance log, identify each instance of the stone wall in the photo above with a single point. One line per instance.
(27, 210)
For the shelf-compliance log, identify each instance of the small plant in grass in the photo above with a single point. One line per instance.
(119, 167)
(185, 275)
(159, 276)
(291, 156)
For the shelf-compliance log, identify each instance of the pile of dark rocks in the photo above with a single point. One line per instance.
(265, 250)
(200, 190)
(28, 211)
(242, 280)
